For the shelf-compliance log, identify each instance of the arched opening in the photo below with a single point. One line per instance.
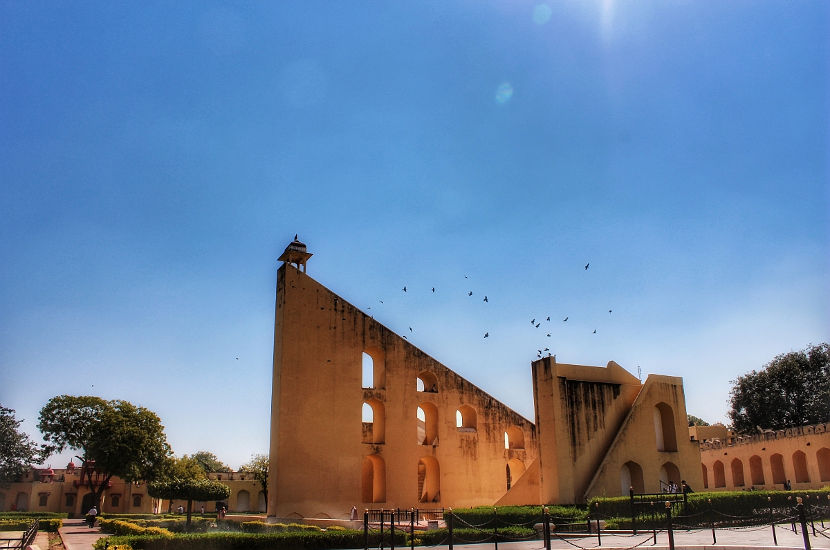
(261, 506)
(756, 470)
(374, 370)
(776, 463)
(427, 416)
(429, 480)
(374, 421)
(823, 459)
(368, 371)
(669, 474)
(800, 467)
(720, 476)
(87, 502)
(514, 438)
(427, 382)
(465, 419)
(737, 468)
(243, 501)
(664, 427)
(631, 476)
(705, 473)
(373, 479)
(515, 469)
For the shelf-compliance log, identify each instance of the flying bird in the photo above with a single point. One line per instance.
(433, 289)
(485, 299)
(537, 325)
(405, 338)
(548, 319)
(546, 349)
(533, 321)
(381, 301)
(609, 312)
(595, 331)
(404, 289)
(410, 329)
(565, 319)
(470, 293)
(486, 334)
(548, 334)
(237, 358)
(586, 266)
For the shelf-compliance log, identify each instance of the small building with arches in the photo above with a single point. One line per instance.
(798, 458)
(360, 416)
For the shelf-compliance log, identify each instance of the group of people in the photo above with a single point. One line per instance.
(673, 487)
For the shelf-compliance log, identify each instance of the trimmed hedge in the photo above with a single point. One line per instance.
(50, 525)
(517, 515)
(122, 528)
(262, 527)
(288, 540)
(722, 507)
(39, 515)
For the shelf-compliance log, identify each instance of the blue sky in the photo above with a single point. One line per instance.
(155, 159)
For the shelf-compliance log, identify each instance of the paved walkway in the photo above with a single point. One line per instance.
(77, 535)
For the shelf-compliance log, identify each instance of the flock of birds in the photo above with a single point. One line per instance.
(536, 324)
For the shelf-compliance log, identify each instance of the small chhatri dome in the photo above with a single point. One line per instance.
(296, 253)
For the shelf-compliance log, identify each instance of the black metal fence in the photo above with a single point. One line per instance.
(25, 540)
(399, 527)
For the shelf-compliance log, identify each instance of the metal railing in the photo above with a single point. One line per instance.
(25, 540)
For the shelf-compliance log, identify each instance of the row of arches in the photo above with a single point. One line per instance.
(373, 478)
(373, 416)
(631, 476)
(756, 475)
(374, 374)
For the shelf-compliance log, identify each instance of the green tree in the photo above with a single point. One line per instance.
(209, 462)
(122, 439)
(17, 451)
(791, 390)
(258, 466)
(695, 421)
(188, 489)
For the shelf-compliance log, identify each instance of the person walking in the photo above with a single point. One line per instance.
(90, 516)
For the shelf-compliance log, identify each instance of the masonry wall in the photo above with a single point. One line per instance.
(638, 445)
(325, 459)
(767, 460)
(596, 428)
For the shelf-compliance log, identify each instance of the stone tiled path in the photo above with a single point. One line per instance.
(77, 535)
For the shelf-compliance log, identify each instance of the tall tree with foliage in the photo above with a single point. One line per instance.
(696, 421)
(259, 466)
(124, 440)
(17, 451)
(209, 462)
(791, 390)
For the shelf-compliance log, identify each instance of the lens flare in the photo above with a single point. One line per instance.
(541, 14)
(503, 93)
